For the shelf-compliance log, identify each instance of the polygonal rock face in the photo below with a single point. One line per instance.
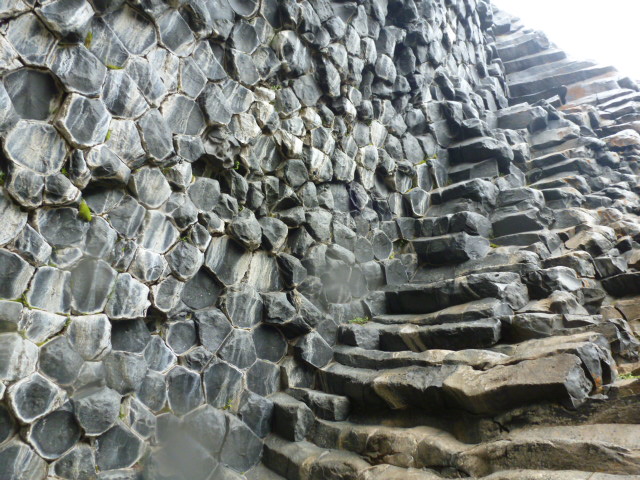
(129, 298)
(201, 291)
(14, 275)
(12, 219)
(36, 146)
(18, 461)
(54, 434)
(31, 39)
(34, 94)
(33, 397)
(150, 187)
(158, 232)
(67, 17)
(18, 357)
(79, 69)
(90, 336)
(133, 29)
(183, 115)
(96, 409)
(222, 383)
(78, 463)
(91, 282)
(119, 447)
(83, 121)
(184, 390)
(59, 361)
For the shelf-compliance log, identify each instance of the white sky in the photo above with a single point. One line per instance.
(607, 31)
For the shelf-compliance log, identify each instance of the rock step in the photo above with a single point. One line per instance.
(540, 72)
(541, 58)
(552, 447)
(584, 166)
(561, 180)
(468, 222)
(498, 260)
(481, 333)
(520, 45)
(486, 169)
(549, 238)
(611, 448)
(476, 190)
(323, 405)
(556, 378)
(375, 359)
(450, 248)
(599, 98)
(390, 472)
(566, 75)
(485, 308)
(507, 221)
(431, 297)
(478, 149)
(304, 460)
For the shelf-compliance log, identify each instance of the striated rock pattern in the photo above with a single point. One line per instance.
(305, 240)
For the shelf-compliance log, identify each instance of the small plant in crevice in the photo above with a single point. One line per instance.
(85, 211)
(360, 320)
(628, 376)
(228, 405)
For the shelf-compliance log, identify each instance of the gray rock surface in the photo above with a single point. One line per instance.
(348, 239)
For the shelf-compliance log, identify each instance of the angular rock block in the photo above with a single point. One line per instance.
(452, 248)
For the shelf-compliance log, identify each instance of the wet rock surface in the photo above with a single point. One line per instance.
(247, 239)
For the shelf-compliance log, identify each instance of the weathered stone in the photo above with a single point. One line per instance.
(184, 390)
(238, 349)
(39, 326)
(239, 435)
(124, 371)
(118, 447)
(213, 328)
(31, 39)
(18, 85)
(19, 357)
(91, 283)
(155, 134)
(54, 434)
(90, 336)
(183, 115)
(83, 121)
(314, 350)
(128, 299)
(227, 260)
(14, 276)
(18, 461)
(77, 464)
(181, 336)
(79, 69)
(158, 232)
(36, 146)
(222, 384)
(96, 409)
(133, 29)
(158, 356)
(34, 397)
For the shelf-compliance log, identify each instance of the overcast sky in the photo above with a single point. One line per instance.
(607, 31)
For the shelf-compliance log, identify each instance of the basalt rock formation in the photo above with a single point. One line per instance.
(315, 239)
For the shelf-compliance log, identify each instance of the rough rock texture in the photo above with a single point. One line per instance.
(260, 239)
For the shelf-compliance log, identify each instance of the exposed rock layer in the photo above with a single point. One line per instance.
(246, 239)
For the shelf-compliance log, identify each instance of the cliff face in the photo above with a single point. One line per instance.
(247, 239)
